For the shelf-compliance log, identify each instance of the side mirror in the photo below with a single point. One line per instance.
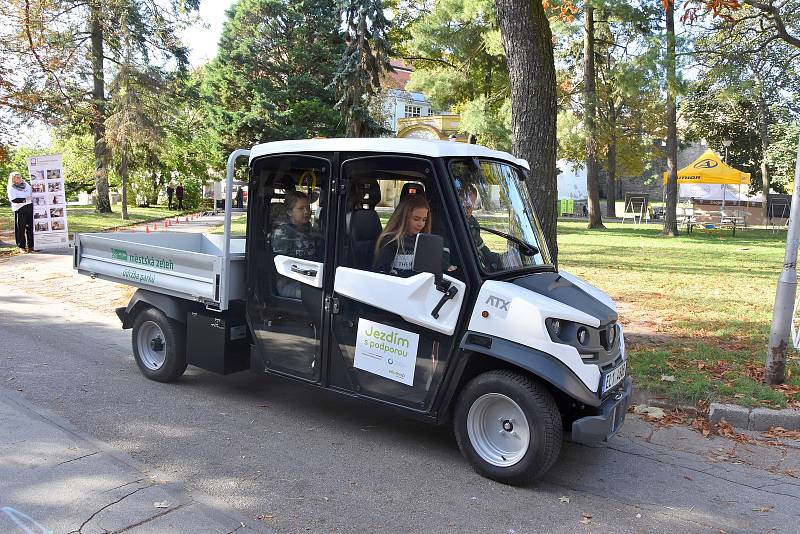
(428, 253)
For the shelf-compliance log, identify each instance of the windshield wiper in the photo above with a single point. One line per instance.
(525, 247)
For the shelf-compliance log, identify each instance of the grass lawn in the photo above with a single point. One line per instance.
(708, 298)
(699, 306)
(238, 227)
(85, 219)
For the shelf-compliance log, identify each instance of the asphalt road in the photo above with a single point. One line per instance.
(303, 460)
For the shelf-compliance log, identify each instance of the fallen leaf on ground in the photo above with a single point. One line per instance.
(764, 509)
(778, 432)
(161, 504)
(564, 499)
(649, 411)
(667, 378)
(586, 519)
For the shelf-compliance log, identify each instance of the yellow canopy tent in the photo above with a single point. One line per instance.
(710, 169)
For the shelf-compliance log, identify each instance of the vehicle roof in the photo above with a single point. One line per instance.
(421, 147)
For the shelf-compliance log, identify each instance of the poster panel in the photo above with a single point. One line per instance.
(46, 175)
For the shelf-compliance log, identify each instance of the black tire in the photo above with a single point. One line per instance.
(168, 363)
(533, 401)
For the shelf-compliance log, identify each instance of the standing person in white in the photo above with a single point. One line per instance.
(20, 195)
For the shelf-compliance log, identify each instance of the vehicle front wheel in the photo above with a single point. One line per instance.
(508, 426)
(159, 345)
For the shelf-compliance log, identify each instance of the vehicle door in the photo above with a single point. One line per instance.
(386, 344)
(286, 251)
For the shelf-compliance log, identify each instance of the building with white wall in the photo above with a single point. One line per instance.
(399, 103)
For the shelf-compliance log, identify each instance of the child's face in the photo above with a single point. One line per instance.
(416, 221)
(301, 212)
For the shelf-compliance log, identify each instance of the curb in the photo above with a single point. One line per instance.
(741, 417)
(759, 419)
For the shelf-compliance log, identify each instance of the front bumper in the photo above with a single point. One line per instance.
(595, 428)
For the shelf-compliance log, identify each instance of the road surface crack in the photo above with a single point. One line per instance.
(151, 518)
(78, 458)
(80, 528)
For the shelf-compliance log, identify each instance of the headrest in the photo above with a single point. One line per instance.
(412, 188)
(282, 185)
(365, 194)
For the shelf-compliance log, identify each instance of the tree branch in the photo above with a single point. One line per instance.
(774, 13)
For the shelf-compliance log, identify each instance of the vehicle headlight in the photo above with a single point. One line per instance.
(583, 336)
(589, 341)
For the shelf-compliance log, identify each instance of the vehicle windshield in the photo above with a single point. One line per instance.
(499, 214)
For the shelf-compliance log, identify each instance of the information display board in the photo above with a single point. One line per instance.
(46, 175)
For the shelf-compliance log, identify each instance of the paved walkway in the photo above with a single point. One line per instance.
(55, 479)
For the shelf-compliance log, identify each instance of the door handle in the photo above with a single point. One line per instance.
(448, 294)
(304, 272)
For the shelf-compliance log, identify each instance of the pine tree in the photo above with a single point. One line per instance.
(269, 80)
(364, 63)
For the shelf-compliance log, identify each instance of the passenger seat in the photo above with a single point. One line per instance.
(363, 223)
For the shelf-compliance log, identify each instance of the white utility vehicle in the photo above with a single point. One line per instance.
(485, 334)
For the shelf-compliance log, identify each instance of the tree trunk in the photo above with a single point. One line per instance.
(590, 121)
(123, 175)
(670, 216)
(763, 123)
(99, 110)
(529, 50)
(611, 183)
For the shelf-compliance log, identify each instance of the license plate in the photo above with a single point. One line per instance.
(614, 377)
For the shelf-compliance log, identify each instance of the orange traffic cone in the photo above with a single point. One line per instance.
(155, 227)
(177, 220)
(186, 219)
(166, 223)
(147, 229)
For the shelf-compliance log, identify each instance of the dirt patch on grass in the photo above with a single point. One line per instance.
(641, 327)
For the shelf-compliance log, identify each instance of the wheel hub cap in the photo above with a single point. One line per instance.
(152, 345)
(498, 429)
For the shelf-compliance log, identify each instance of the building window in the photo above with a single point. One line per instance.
(413, 111)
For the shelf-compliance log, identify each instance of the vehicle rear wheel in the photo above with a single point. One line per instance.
(508, 426)
(159, 345)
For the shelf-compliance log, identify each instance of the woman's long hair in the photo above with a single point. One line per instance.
(396, 227)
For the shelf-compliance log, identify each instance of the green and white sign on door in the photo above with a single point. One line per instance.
(386, 351)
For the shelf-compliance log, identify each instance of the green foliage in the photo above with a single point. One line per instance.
(782, 153)
(716, 113)
(756, 79)
(629, 101)
(571, 137)
(269, 79)
(460, 65)
(192, 192)
(362, 66)
(77, 158)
